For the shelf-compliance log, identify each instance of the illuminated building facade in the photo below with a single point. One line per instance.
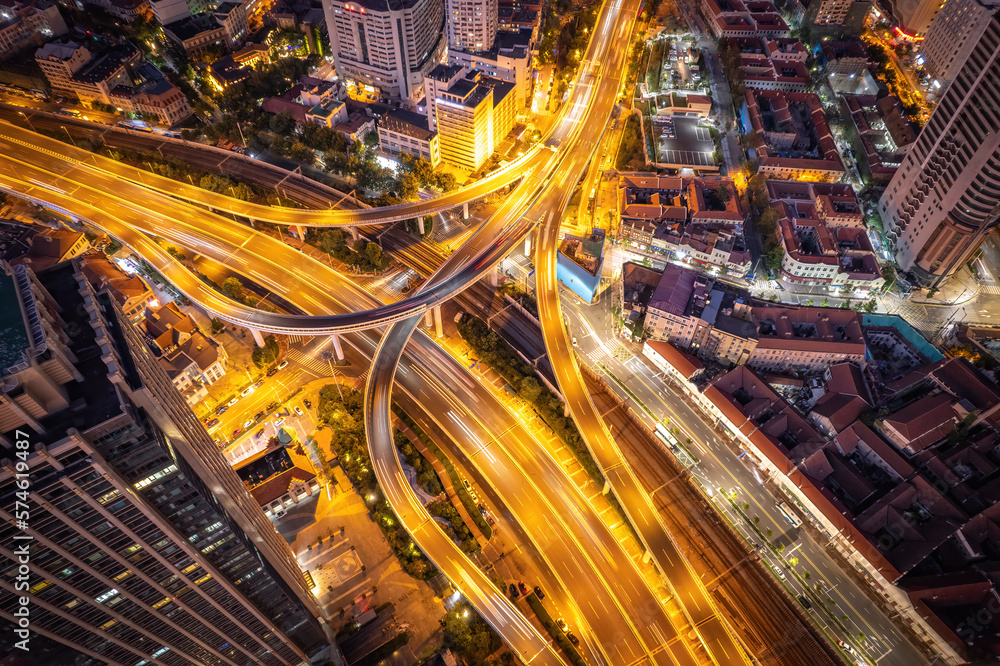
(143, 545)
(943, 200)
(386, 45)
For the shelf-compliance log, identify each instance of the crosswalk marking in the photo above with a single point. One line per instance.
(294, 338)
(990, 288)
(320, 367)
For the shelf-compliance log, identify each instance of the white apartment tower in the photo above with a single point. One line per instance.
(833, 12)
(386, 45)
(945, 197)
(953, 34)
(472, 24)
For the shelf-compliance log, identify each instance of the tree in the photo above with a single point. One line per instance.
(267, 354)
(723, 194)
(374, 254)
(232, 288)
(217, 325)
(529, 389)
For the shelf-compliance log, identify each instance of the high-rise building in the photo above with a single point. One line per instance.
(386, 45)
(832, 12)
(470, 112)
(142, 545)
(953, 34)
(913, 17)
(945, 196)
(472, 24)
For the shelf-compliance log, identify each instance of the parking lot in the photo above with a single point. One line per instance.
(691, 147)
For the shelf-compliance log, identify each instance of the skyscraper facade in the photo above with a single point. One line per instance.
(142, 545)
(387, 45)
(953, 33)
(945, 197)
(472, 24)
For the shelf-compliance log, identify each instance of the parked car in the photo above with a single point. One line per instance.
(272, 372)
(572, 639)
(778, 572)
(232, 402)
(562, 624)
(258, 416)
(298, 411)
(247, 423)
(805, 602)
(539, 593)
(308, 404)
(279, 422)
(514, 594)
(282, 365)
(237, 432)
(522, 587)
(212, 423)
(259, 433)
(247, 391)
(221, 410)
(258, 383)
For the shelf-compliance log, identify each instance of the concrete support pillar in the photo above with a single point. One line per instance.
(495, 276)
(438, 324)
(465, 211)
(428, 318)
(606, 489)
(566, 412)
(646, 557)
(337, 348)
(354, 233)
(258, 338)
(420, 224)
(527, 244)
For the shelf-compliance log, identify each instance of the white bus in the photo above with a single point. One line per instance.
(789, 516)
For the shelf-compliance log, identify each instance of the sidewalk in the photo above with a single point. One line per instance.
(960, 289)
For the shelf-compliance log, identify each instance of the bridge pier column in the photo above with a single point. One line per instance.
(438, 325)
(495, 276)
(606, 489)
(337, 348)
(646, 557)
(420, 224)
(465, 211)
(354, 233)
(258, 337)
(527, 244)
(428, 318)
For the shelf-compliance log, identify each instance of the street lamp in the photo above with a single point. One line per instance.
(69, 135)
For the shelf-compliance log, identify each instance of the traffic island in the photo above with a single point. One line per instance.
(557, 634)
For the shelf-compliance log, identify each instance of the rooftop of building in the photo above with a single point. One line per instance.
(808, 327)
(799, 120)
(585, 251)
(408, 123)
(57, 51)
(103, 67)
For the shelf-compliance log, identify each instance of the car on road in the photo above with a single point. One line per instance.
(522, 587)
(539, 593)
(221, 410)
(258, 384)
(232, 402)
(280, 514)
(805, 602)
(247, 423)
(482, 509)
(212, 423)
(298, 411)
(846, 647)
(258, 416)
(272, 372)
(282, 365)
(562, 624)
(247, 391)
(279, 422)
(778, 572)
(237, 432)
(572, 639)
(514, 594)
